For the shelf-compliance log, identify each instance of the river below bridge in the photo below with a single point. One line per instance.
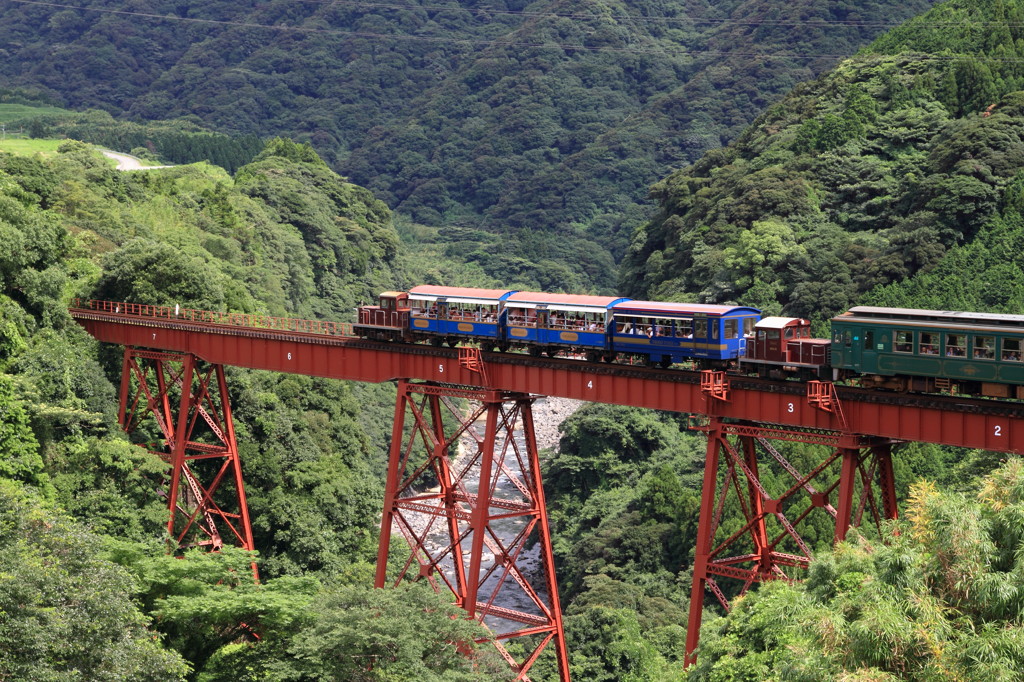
(548, 414)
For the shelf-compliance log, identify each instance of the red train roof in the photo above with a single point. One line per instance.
(562, 300)
(457, 292)
(654, 307)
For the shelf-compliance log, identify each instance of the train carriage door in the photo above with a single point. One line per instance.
(543, 318)
(863, 349)
(442, 315)
(852, 347)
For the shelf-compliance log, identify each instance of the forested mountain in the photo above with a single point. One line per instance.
(863, 178)
(542, 122)
(87, 591)
(893, 178)
(940, 601)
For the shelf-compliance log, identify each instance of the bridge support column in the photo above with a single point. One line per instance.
(768, 544)
(860, 469)
(469, 504)
(206, 495)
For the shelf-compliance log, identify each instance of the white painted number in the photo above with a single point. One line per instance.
(590, 384)
(154, 336)
(999, 430)
(289, 356)
(789, 408)
(440, 369)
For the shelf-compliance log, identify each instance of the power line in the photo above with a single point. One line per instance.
(472, 41)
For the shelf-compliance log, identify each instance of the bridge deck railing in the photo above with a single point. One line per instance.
(245, 320)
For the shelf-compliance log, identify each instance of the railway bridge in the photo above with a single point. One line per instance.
(447, 508)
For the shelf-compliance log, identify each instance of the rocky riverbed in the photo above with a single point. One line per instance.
(548, 415)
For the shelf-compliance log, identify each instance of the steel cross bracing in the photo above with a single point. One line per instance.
(468, 505)
(859, 426)
(757, 550)
(206, 494)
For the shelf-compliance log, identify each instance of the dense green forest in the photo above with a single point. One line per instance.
(86, 590)
(892, 179)
(864, 178)
(540, 124)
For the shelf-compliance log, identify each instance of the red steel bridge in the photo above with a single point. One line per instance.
(447, 507)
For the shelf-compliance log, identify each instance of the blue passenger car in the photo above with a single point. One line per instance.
(667, 333)
(554, 323)
(454, 314)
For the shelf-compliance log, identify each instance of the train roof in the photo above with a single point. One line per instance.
(431, 292)
(565, 302)
(942, 316)
(780, 322)
(654, 308)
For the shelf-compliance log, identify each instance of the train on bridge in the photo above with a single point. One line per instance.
(890, 348)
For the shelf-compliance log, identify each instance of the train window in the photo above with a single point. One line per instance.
(521, 317)
(731, 327)
(928, 344)
(684, 328)
(956, 345)
(869, 340)
(789, 332)
(627, 325)
(904, 342)
(1011, 350)
(847, 339)
(748, 326)
(984, 348)
(700, 329)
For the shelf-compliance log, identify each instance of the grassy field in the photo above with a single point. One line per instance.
(26, 147)
(12, 112)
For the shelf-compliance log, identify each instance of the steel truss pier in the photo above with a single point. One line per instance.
(738, 456)
(189, 401)
(470, 514)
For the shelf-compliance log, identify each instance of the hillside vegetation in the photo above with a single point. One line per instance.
(86, 588)
(866, 177)
(892, 179)
(542, 122)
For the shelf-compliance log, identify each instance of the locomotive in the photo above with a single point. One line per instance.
(890, 348)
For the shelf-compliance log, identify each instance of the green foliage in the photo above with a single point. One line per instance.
(312, 448)
(146, 271)
(938, 602)
(177, 141)
(67, 612)
(876, 170)
(21, 459)
(622, 497)
(495, 121)
(609, 645)
(406, 633)
(110, 486)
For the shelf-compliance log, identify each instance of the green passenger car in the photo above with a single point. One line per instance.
(930, 350)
